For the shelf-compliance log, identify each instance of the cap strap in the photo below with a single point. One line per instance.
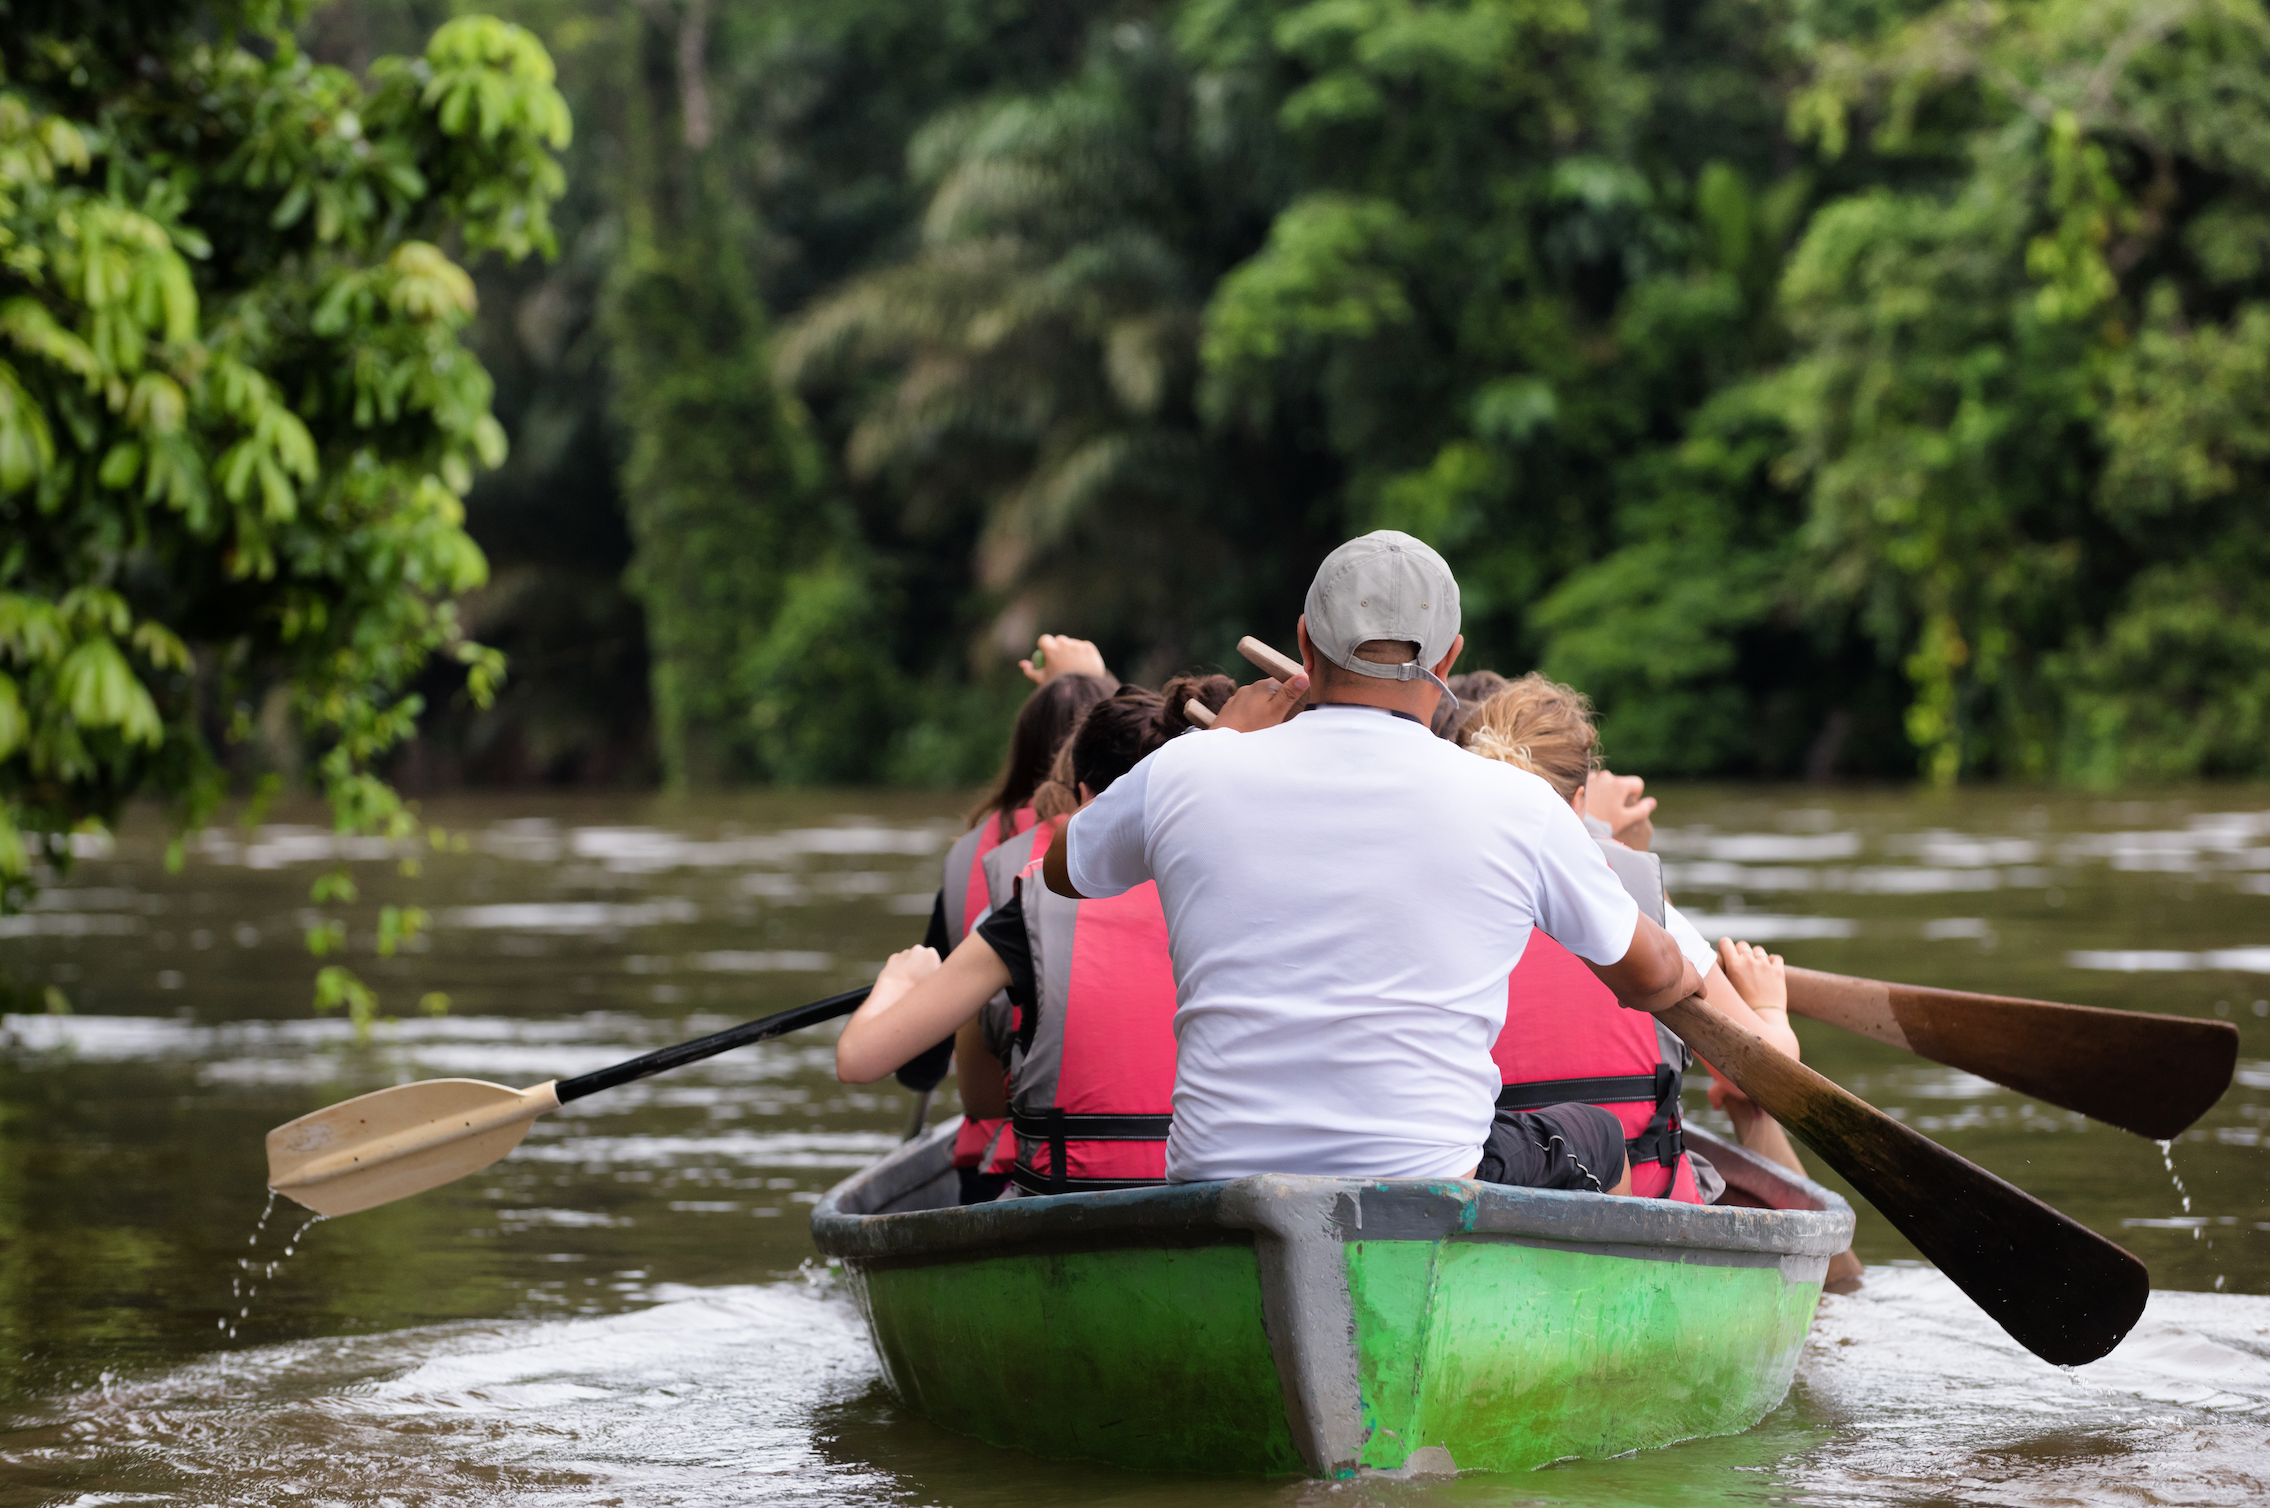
(1411, 670)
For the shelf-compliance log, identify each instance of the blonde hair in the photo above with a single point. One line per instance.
(1540, 726)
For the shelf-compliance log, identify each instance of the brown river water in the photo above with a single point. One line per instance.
(628, 1309)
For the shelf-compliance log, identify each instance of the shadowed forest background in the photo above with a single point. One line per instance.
(1828, 387)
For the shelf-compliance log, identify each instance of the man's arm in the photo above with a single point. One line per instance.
(1653, 975)
(1111, 837)
(1056, 868)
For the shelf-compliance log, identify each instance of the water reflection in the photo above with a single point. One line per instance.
(768, 1394)
(621, 1310)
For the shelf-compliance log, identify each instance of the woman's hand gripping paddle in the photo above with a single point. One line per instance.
(2153, 1075)
(393, 1143)
(2061, 1290)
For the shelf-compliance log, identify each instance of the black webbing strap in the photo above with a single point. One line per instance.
(1055, 1123)
(1630, 1088)
(1662, 1141)
(1032, 1181)
(1056, 1128)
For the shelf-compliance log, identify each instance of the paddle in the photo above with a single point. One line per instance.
(1266, 659)
(2153, 1075)
(392, 1143)
(2061, 1290)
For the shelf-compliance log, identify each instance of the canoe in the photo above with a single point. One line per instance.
(1333, 1326)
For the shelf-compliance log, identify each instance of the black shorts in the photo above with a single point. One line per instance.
(1578, 1147)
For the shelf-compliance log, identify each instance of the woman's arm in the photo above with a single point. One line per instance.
(1755, 980)
(1749, 985)
(917, 1001)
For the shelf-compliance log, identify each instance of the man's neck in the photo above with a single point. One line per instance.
(1409, 717)
(1415, 699)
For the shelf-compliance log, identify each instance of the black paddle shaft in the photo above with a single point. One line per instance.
(662, 1059)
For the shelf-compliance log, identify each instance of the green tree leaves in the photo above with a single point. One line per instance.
(2021, 413)
(236, 413)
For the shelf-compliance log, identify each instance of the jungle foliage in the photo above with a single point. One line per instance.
(237, 413)
(1827, 386)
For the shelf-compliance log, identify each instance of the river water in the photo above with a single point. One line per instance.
(627, 1310)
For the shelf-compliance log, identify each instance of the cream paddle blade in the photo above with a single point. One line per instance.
(396, 1142)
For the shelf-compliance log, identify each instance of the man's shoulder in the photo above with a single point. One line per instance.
(1205, 748)
(1496, 791)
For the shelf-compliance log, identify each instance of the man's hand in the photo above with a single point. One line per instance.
(1060, 654)
(1616, 800)
(1264, 704)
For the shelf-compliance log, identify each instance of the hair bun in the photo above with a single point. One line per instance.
(1210, 691)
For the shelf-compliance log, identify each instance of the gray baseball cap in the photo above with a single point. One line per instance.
(1385, 585)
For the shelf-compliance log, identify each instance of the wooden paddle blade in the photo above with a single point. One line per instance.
(387, 1145)
(2061, 1290)
(2153, 1075)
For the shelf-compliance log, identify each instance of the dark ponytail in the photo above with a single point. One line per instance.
(1119, 731)
(1043, 723)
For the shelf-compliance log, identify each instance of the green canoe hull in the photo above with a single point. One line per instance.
(1332, 1326)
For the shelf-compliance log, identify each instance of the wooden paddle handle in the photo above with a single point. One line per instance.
(1268, 660)
(1198, 712)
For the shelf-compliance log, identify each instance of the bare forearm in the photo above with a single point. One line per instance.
(1769, 1022)
(1653, 975)
(899, 1021)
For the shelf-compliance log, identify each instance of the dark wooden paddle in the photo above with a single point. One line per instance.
(2153, 1075)
(2061, 1290)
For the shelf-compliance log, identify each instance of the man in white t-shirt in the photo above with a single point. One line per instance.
(1345, 896)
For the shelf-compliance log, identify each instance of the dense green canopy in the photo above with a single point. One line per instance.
(1823, 385)
(1826, 386)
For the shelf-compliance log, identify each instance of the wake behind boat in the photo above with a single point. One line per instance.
(1329, 1326)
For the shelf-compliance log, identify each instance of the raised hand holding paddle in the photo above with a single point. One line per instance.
(393, 1143)
(2153, 1075)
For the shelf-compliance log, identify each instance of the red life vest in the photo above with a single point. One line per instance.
(966, 898)
(1566, 1040)
(966, 901)
(1092, 1076)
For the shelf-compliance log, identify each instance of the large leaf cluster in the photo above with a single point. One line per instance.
(236, 413)
(2027, 403)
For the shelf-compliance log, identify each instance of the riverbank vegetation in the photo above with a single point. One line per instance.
(1829, 387)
